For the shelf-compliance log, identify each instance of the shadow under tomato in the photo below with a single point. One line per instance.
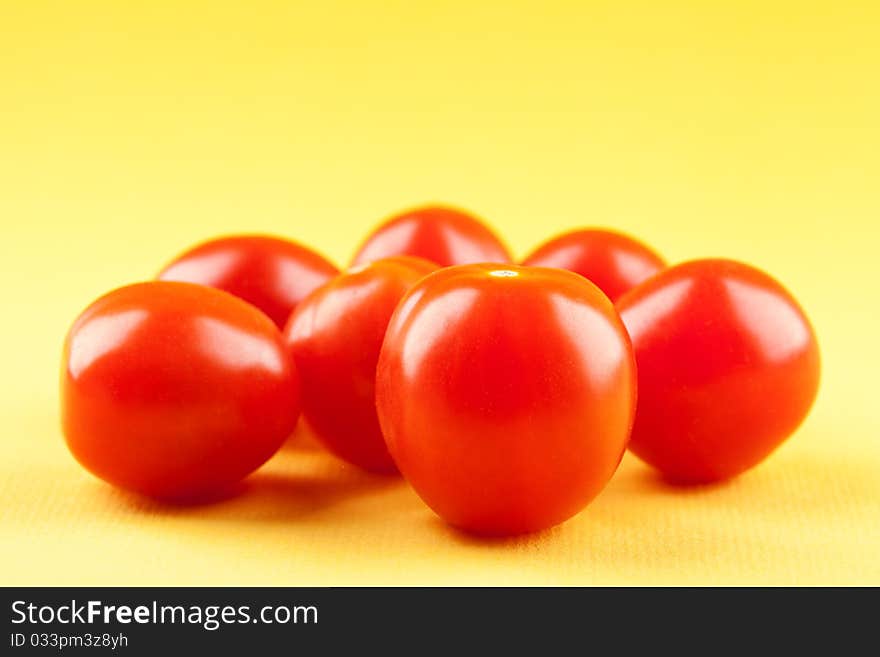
(276, 497)
(291, 486)
(798, 480)
(632, 479)
(475, 539)
(656, 482)
(145, 504)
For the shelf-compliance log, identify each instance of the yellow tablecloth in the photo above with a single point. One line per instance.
(748, 131)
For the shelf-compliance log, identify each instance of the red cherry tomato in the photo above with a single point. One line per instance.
(728, 367)
(175, 390)
(615, 262)
(269, 272)
(443, 235)
(506, 394)
(334, 337)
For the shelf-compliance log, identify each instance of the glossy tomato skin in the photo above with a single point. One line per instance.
(175, 390)
(615, 262)
(728, 368)
(271, 273)
(334, 338)
(506, 394)
(444, 235)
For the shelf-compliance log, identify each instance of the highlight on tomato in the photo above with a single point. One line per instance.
(174, 390)
(506, 394)
(728, 368)
(444, 235)
(272, 273)
(334, 337)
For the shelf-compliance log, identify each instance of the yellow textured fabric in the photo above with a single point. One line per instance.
(748, 131)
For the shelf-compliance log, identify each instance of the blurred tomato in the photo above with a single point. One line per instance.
(728, 367)
(175, 390)
(506, 394)
(615, 262)
(271, 273)
(443, 235)
(334, 337)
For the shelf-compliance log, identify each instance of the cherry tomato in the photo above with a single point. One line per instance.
(334, 337)
(615, 262)
(728, 367)
(269, 272)
(175, 390)
(506, 394)
(443, 235)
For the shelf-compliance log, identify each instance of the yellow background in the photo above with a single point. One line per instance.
(129, 130)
